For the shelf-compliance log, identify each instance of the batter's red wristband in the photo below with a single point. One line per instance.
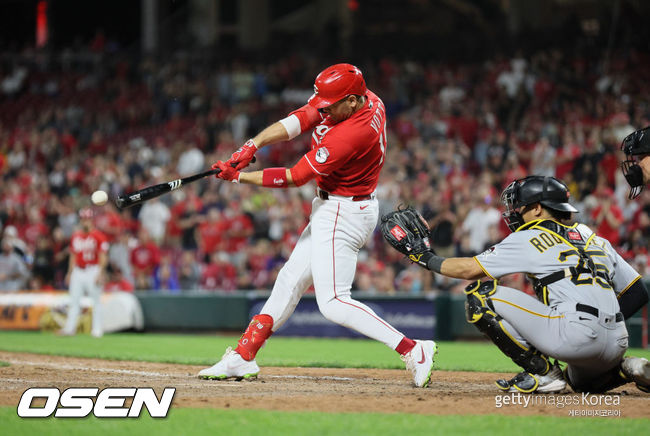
(275, 178)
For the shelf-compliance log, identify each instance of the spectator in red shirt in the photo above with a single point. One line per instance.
(35, 228)
(212, 233)
(117, 281)
(110, 222)
(145, 257)
(239, 228)
(219, 274)
(607, 216)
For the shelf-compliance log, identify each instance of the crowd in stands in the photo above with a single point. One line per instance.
(73, 122)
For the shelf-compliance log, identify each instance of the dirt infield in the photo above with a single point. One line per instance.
(301, 389)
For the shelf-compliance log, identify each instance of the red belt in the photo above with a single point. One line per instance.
(326, 195)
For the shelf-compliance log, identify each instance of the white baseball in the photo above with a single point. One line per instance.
(99, 198)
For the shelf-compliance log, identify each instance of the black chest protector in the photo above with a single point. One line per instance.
(584, 268)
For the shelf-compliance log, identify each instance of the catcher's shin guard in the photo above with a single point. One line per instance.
(257, 332)
(479, 311)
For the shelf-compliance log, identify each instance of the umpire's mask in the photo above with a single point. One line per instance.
(635, 146)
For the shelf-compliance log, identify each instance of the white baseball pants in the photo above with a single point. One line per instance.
(83, 280)
(326, 255)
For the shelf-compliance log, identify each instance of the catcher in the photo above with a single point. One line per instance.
(584, 289)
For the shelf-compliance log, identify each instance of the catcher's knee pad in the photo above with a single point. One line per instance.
(478, 301)
(479, 310)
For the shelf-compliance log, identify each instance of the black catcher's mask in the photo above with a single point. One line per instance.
(635, 145)
(548, 191)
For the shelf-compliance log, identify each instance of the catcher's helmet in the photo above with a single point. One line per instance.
(633, 145)
(335, 83)
(548, 191)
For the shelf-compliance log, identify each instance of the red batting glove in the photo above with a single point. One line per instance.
(243, 156)
(227, 172)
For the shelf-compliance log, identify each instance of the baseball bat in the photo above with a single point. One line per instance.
(141, 195)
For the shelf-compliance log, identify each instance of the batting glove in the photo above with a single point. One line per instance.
(243, 156)
(227, 172)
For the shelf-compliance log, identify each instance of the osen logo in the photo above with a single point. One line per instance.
(109, 403)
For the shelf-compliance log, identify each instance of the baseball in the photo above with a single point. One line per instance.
(99, 198)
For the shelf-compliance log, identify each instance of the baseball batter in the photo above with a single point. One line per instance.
(88, 258)
(579, 280)
(348, 124)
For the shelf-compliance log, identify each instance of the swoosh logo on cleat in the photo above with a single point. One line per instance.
(363, 207)
(421, 360)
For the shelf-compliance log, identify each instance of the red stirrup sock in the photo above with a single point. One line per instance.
(257, 332)
(405, 346)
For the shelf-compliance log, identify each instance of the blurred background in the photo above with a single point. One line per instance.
(123, 94)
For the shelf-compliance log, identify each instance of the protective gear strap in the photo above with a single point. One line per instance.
(575, 240)
(275, 178)
(257, 332)
(479, 311)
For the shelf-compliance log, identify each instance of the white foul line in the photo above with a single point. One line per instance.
(158, 374)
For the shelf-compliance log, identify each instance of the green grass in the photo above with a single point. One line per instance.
(253, 422)
(279, 351)
(206, 349)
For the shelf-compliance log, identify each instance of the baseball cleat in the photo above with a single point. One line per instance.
(551, 382)
(420, 362)
(231, 365)
(637, 369)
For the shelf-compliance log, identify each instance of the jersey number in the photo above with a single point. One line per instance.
(599, 273)
(382, 144)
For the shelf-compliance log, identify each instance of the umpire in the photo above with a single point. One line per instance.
(636, 166)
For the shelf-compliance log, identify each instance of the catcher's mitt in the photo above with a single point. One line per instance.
(408, 232)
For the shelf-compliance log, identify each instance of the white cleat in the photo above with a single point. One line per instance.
(420, 362)
(638, 370)
(231, 365)
(552, 382)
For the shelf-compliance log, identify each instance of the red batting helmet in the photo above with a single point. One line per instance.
(335, 83)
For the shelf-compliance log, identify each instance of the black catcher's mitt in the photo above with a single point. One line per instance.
(408, 232)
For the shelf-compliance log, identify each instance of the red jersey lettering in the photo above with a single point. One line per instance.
(86, 247)
(346, 157)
